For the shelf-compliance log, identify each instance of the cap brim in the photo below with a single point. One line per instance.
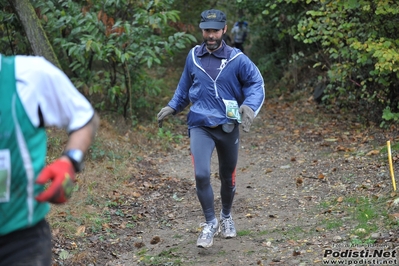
(212, 25)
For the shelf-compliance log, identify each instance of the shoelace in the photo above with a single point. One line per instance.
(207, 229)
(228, 223)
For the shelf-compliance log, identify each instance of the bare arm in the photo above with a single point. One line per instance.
(82, 138)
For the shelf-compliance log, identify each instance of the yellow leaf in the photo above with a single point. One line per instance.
(81, 230)
(373, 152)
(136, 194)
(394, 216)
(331, 140)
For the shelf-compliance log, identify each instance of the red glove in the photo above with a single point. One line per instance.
(62, 175)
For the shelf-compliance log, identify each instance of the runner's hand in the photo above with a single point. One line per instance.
(62, 177)
(164, 113)
(247, 116)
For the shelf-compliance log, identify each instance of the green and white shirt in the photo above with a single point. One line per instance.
(27, 84)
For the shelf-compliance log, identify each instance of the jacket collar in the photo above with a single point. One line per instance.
(223, 52)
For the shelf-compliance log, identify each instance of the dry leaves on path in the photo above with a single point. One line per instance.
(307, 180)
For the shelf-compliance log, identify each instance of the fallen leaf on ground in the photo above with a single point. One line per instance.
(373, 152)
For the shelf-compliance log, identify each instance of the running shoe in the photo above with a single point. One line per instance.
(227, 228)
(205, 239)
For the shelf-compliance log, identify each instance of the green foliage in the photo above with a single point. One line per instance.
(108, 47)
(389, 116)
(361, 42)
(352, 44)
(166, 257)
(167, 138)
(110, 44)
(96, 151)
(12, 40)
(365, 212)
(244, 233)
(330, 225)
(273, 22)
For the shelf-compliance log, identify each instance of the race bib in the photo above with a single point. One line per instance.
(232, 110)
(5, 175)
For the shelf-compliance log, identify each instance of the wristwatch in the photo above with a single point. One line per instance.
(76, 157)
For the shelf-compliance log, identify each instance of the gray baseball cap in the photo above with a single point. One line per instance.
(212, 19)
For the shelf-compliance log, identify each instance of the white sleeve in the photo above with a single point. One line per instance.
(41, 84)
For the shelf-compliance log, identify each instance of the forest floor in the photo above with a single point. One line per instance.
(313, 188)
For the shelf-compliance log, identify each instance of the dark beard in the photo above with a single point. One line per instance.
(213, 47)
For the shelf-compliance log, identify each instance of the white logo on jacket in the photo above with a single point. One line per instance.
(223, 63)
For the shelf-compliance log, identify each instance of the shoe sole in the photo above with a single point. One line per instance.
(210, 244)
(228, 237)
(205, 246)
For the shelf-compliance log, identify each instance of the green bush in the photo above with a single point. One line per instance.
(353, 44)
(107, 48)
(361, 41)
(12, 37)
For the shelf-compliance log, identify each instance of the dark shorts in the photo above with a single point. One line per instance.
(27, 247)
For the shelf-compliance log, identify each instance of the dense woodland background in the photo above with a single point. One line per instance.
(126, 57)
(118, 52)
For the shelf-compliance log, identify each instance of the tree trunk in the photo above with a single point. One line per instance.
(34, 30)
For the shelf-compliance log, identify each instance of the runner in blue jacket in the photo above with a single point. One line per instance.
(225, 89)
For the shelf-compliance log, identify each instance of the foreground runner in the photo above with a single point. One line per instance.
(36, 94)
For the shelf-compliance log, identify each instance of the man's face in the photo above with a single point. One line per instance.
(213, 38)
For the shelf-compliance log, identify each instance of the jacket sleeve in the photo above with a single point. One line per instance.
(180, 99)
(253, 87)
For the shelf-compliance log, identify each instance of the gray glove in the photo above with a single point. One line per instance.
(164, 113)
(247, 116)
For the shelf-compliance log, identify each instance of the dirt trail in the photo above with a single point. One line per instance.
(293, 161)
